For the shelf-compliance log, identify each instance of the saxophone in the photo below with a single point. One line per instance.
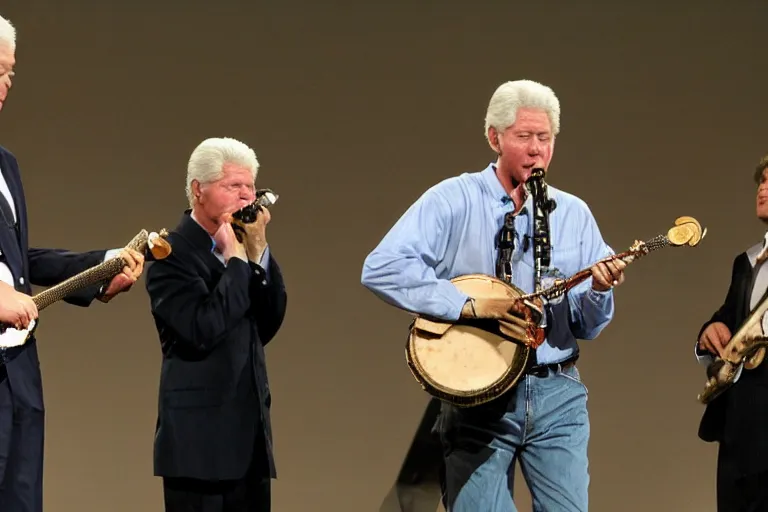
(745, 351)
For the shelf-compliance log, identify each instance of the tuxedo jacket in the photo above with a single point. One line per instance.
(213, 322)
(738, 419)
(41, 267)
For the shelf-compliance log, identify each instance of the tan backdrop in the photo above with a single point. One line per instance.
(355, 109)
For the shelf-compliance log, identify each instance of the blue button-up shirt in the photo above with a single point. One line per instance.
(451, 230)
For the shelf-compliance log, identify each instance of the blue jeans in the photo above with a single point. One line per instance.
(543, 423)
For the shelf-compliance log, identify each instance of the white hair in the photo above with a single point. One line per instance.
(511, 96)
(7, 33)
(207, 161)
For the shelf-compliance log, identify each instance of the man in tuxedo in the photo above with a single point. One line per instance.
(738, 419)
(22, 415)
(216, 303)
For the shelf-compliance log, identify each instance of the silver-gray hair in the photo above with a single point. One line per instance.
(511, 96)
(207, 161)
(7, 33)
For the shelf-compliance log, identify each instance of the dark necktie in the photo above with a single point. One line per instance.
(7, 212)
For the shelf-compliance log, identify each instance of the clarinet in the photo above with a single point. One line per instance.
(542, 207)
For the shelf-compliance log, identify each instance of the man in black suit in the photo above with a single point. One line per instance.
(22, 415)
(738, 419)
(216, 304)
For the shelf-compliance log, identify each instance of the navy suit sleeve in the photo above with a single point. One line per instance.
(727, 311)
(49, 267)
(268, 299)
(181, 301)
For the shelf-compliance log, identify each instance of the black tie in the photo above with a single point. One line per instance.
(7, 213)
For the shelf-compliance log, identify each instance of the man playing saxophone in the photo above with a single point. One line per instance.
(738, 418)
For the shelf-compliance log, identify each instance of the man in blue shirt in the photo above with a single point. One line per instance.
(451, 231)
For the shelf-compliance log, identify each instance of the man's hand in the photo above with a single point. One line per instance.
(606, 275)
(226, 241)
(16, 309)
(714, 338)
(256, 236)
(506, 310)
(134, 267)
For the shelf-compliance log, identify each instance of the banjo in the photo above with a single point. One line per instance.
(12, 340)
(471, 361)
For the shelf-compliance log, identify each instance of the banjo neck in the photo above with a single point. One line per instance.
(686, 231)
(11, 339)
(104, 271)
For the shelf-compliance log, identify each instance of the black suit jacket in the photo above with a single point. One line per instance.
(213, 322)
(738, 418)
(41, 267)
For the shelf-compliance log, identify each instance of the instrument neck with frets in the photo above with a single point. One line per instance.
(155, 242)
(12, 340)
(686, 231)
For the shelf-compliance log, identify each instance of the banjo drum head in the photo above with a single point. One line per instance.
(467, 361)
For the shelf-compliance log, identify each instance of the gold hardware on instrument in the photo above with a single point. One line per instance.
(158, 245)
(745, 350)
(687, 230)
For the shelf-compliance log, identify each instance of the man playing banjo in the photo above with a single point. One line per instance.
(452, 230)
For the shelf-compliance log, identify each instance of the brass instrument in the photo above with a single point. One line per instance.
(744, 351)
